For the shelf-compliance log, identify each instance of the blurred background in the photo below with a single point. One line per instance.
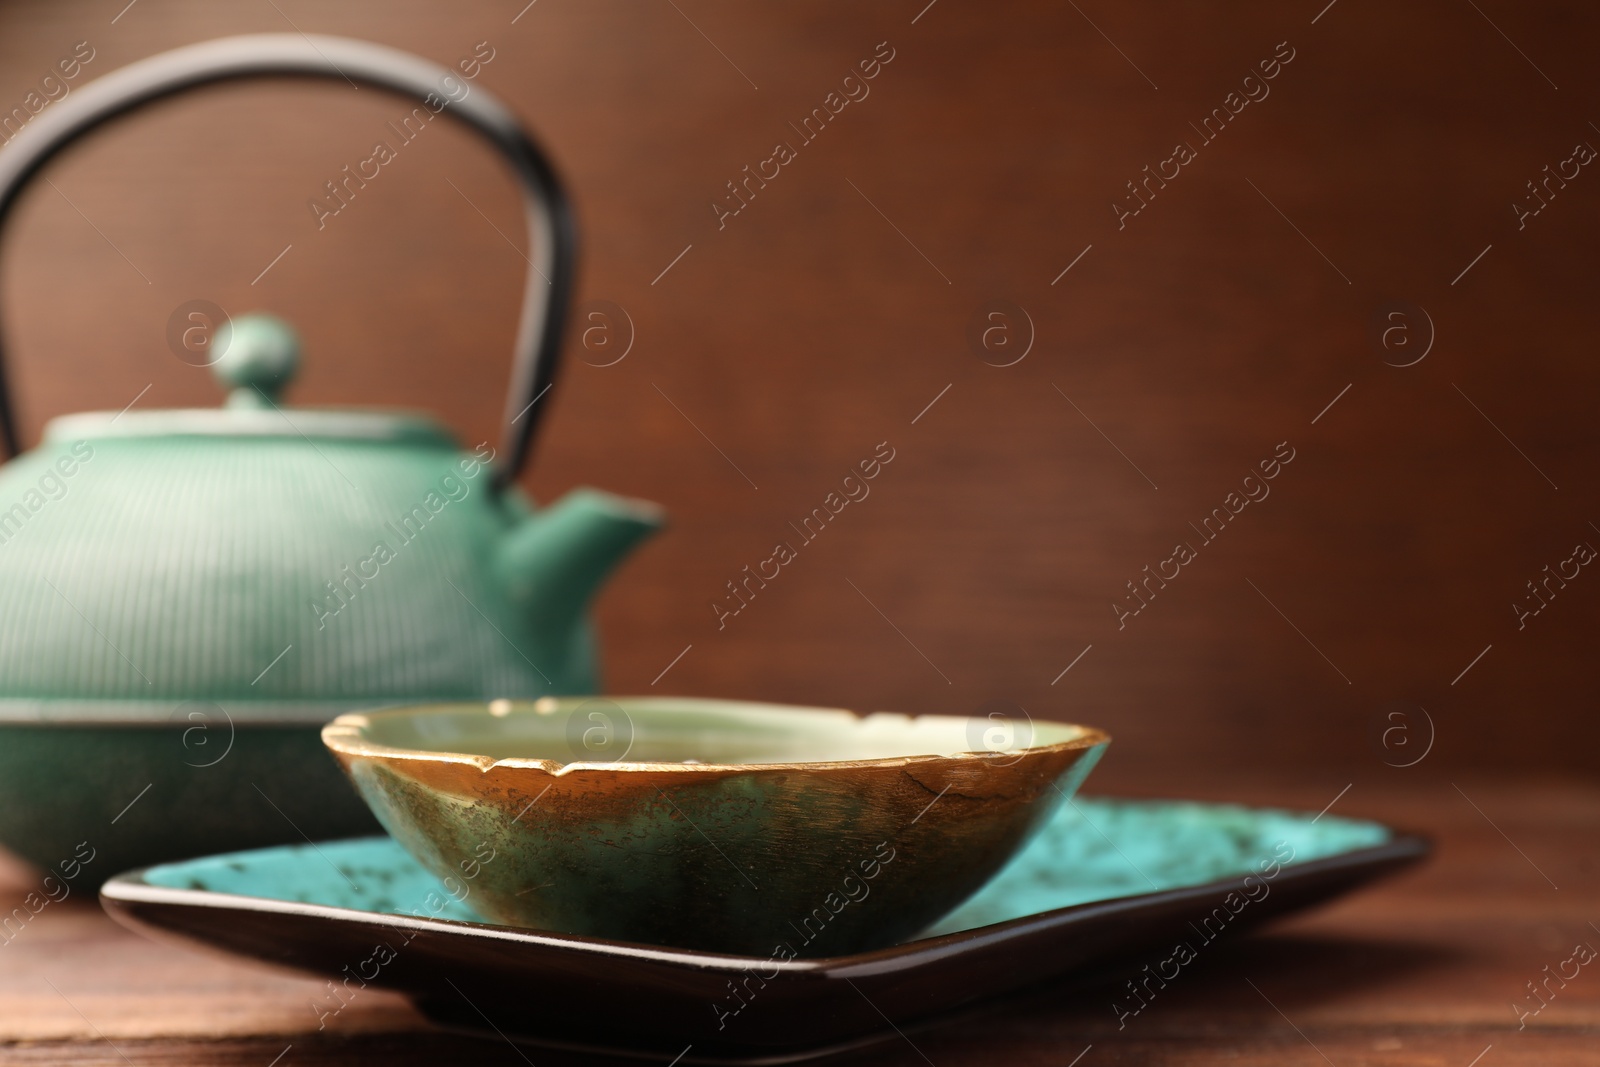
(992, 262)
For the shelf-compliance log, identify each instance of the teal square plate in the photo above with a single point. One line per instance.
(1103, 883)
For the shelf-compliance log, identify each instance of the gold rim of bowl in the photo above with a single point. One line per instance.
(347, 735)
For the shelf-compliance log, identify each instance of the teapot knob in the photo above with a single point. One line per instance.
(258, 356)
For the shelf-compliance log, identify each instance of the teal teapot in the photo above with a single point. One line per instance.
(186, 596)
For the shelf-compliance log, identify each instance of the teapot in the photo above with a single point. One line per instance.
(186, 596)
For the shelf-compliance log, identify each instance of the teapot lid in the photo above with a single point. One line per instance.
(254, 357)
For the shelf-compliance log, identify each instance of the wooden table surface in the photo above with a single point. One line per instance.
(1423, 969)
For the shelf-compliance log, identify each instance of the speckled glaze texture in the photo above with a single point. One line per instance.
(1104, 883)
(1097, 849)
(785, 859)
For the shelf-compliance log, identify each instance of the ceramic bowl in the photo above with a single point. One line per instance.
(716, 825)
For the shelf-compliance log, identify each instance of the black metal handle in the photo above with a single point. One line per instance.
(550, 226)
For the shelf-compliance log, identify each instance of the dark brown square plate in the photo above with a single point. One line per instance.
(1105, 881)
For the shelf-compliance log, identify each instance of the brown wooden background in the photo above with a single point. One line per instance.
(807, 331)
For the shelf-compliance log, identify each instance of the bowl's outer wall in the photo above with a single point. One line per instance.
(128, 796)
(770, 862)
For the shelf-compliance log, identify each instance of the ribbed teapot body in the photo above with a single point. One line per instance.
(140, 571)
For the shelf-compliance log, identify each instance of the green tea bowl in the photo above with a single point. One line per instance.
(721, 826)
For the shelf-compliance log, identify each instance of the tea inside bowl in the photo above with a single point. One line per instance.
(670, 731)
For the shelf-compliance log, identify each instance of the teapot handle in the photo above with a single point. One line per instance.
(551, 230)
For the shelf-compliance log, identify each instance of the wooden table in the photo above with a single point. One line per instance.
(1421, 970)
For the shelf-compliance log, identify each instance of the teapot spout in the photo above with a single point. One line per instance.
(554, 560)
